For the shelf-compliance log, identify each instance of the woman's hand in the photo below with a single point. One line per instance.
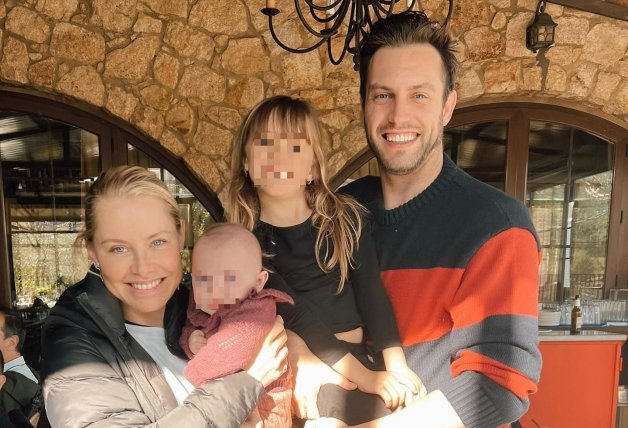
(197, 341)
(271, 361)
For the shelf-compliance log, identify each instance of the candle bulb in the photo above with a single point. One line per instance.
(271, 4)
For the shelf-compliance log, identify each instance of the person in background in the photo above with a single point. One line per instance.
(459, 258)
(12, 335)
(110, 354)
(229, 315)
(21, 390)
(322, 255)
(12, 418)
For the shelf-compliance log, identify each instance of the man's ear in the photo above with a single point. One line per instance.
(3, 379)
(449, 106)
(262, 277)
(14, 340)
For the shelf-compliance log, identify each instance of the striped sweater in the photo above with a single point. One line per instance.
(460, 265)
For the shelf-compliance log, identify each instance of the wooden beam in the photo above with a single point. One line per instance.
(613, 9)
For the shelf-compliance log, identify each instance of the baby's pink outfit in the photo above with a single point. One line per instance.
(234, 334)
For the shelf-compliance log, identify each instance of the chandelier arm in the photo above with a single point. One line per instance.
(339, 17)
(312, 4)
(313, 31)
(450, 11)
(314, 8)
(288, 48)
(331, 55)
(307, 26)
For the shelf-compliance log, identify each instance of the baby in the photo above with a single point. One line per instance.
(230, 308)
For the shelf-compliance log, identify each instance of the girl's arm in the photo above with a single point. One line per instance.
(399, 385)
(370, 295)
(300, 319)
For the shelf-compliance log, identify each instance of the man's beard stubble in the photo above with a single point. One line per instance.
(400, 171)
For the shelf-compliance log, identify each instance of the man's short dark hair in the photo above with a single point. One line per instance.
(408, 28)
(13, 326)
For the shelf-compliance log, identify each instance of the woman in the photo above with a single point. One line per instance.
(106, 359)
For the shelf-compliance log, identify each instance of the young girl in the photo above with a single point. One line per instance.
(322, 255)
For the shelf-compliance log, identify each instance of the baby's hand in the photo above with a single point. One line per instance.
(197, 341)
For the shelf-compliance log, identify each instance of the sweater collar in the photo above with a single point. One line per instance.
(398, 214)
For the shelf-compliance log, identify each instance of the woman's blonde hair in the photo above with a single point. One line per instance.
(338, 218)
(131, 181)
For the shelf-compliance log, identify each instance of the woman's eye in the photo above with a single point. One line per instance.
(159, 242)
(264, 142)
(296, 149)
(118, 250)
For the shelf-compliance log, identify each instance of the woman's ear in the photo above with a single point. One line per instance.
(262, 277)
(91, 254)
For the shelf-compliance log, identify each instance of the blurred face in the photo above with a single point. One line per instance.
(278, 162)
(404, 109)
(138, 247)
(222, 275)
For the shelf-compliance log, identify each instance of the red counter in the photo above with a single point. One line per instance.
(579, 380)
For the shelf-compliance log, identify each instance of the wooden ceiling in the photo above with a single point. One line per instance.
(617, 9)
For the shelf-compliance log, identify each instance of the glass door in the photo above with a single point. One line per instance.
(46, 165)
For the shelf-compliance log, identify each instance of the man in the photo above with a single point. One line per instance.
(13, 418)
(12, 334)
(21, 388)
(459, 259)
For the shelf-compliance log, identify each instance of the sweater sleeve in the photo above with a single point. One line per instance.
(497, 361)
(370, 294)
(303, 321)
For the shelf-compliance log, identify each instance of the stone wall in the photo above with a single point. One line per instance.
(185, 72)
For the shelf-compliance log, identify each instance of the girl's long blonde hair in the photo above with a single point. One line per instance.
(337, 217)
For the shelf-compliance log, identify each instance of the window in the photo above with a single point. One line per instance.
(49, 155)
(568, 167)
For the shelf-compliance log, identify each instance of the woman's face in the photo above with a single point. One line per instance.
(279, 162)
(138, 247)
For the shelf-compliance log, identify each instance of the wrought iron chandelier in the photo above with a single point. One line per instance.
(329, 15)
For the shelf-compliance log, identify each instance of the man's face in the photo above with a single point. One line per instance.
(405, 109)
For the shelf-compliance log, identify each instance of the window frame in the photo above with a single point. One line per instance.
(114, 135)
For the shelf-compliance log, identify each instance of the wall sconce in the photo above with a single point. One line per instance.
(323, 19)
(540, 34)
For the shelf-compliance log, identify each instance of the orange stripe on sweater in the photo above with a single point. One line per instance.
(419, 298)
(501, 279)
(501, 374)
